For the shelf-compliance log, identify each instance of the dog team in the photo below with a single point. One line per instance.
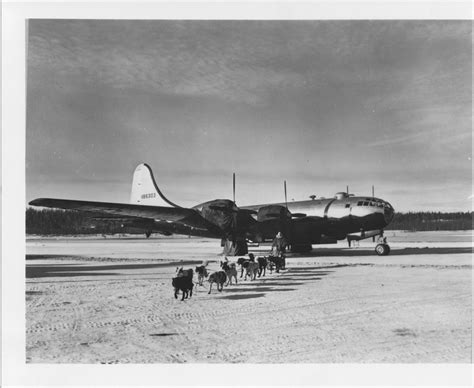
(253, 268)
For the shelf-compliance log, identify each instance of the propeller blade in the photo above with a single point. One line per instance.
(233, 186)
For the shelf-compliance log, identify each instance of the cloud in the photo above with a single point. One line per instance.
(396, 140)
(321, 102)
(242, 60)
(172, 58)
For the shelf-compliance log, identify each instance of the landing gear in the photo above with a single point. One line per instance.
(148, 233)
(382, 249)
(300, 248)
(235, 248)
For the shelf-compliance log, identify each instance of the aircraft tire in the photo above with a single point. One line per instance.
(301, 248)
(382, 249)
(235, 248)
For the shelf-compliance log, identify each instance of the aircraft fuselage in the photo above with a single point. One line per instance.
(332, 217)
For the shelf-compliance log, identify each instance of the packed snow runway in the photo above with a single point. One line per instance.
(111, 301)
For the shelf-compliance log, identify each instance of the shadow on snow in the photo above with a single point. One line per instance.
(68, 270)
(333, 252)
(243, 296)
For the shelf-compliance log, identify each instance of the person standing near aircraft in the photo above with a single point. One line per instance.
(279, 247)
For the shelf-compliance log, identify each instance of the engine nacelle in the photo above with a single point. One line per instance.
(221, 213)
(273, 212)
(273, 219)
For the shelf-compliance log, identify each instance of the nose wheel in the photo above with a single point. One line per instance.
(382, 249)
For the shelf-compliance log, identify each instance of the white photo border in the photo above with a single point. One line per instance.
(15, 371)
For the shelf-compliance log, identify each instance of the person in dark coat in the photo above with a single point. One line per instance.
(279, 247)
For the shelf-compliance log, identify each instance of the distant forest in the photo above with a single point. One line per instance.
(424, 221)
(69, 222)
(60, 222)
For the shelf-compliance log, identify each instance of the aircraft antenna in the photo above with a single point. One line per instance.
(347, 189)
(233, 186)
(286, 199)
(373, 191)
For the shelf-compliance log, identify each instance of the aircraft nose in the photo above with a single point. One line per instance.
(388, 212)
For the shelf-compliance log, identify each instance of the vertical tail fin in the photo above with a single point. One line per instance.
(145, 191)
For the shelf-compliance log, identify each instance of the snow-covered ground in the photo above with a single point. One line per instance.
(111, 301)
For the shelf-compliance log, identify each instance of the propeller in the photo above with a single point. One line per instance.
(293, 215)
(233, 186)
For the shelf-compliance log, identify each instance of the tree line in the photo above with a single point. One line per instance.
(67, 222)
(426, 221)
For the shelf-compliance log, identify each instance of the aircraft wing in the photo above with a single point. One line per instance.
(189, 217)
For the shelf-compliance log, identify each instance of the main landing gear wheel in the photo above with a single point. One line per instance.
(382, 249)
(235, 248)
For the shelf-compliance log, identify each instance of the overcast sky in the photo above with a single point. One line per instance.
(321, 104)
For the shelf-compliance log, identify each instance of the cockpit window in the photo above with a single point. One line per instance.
(365, 203)
(348, 204)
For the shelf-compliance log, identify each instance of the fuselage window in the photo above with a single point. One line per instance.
(365, 204)
(348, 204)
(359, 203)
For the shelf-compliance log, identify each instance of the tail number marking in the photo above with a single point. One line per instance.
(149, 195)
